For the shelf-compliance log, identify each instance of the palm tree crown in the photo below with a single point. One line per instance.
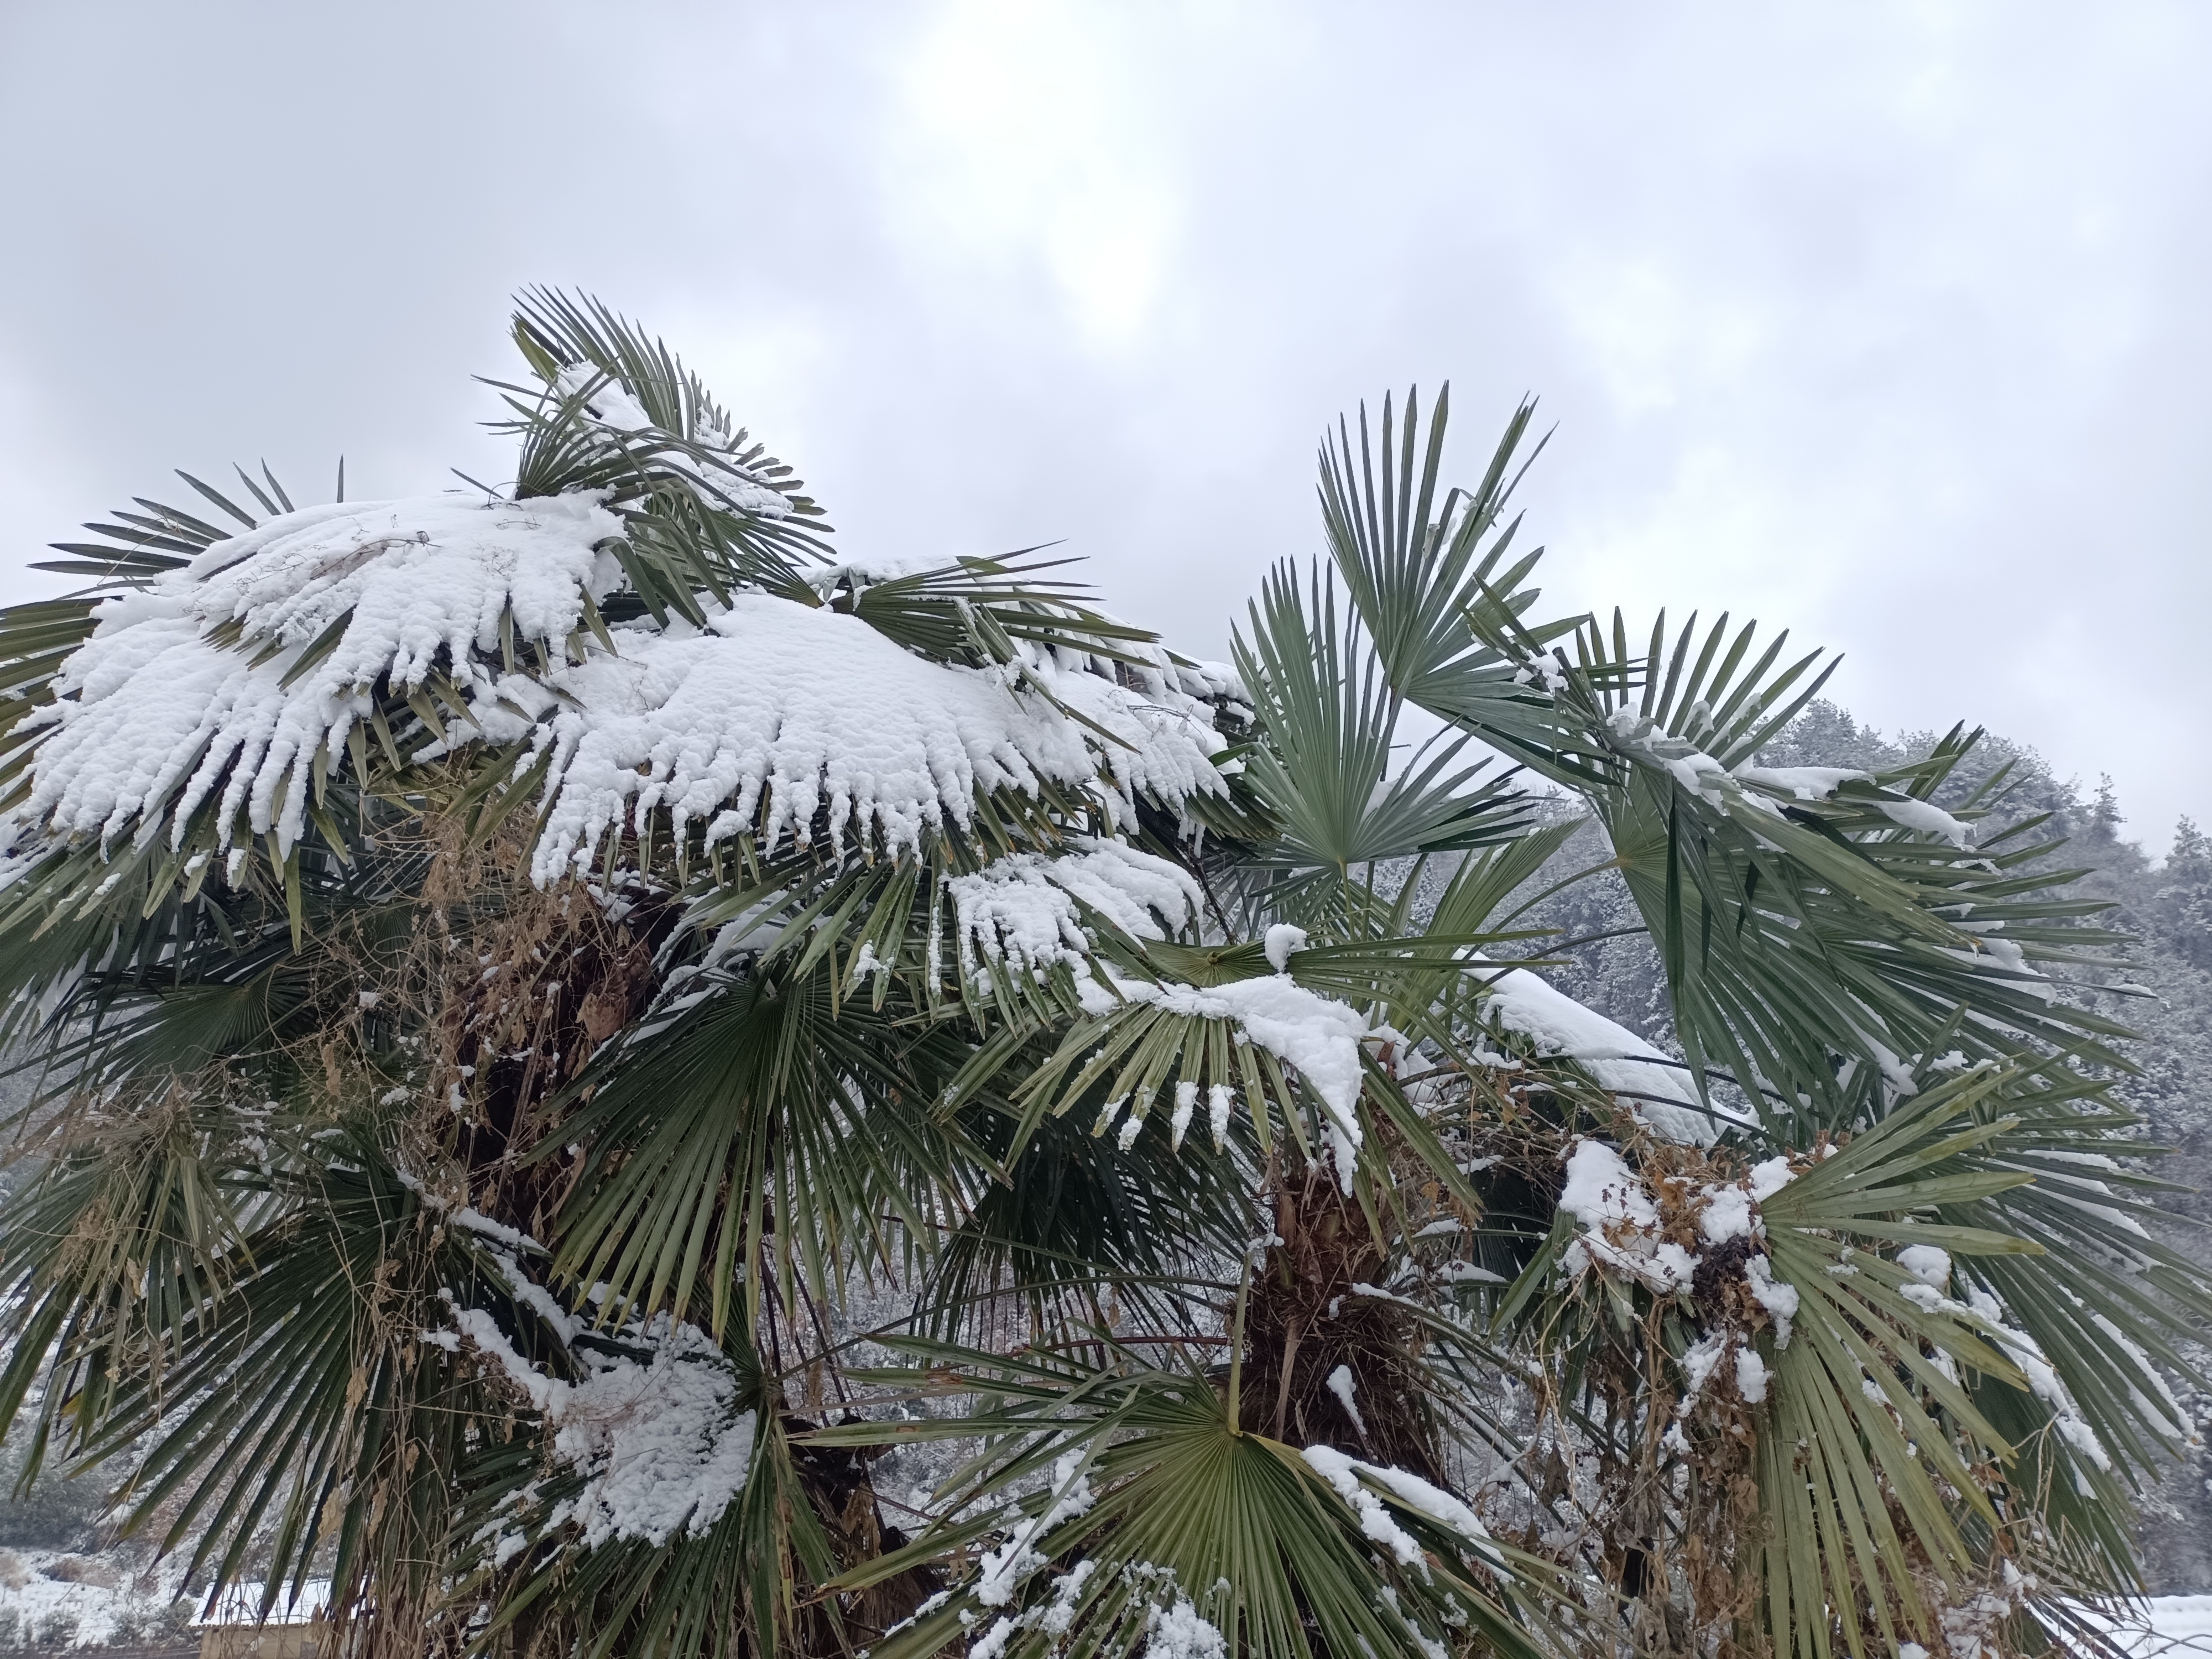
(611, 1079)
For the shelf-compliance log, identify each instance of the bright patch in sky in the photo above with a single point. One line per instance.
(1021, 152)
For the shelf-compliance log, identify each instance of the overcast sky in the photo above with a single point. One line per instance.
(1888, 323)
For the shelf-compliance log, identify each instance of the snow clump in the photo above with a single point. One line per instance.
(1026, 909)
(1614, 1057)
(1318, 1035)
(151, 714)
(663, 1444)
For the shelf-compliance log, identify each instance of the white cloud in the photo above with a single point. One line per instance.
(1020, 146)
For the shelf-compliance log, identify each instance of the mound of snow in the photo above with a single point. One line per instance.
(152, 715)
(1614, 1057)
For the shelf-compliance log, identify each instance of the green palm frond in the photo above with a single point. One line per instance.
(1797, 931)
(705, 508)
(302, 1420)
(112, 1251)
(1917, 1430)
(1415, 565)
(812, 1109)
(1325, 776)
(1155, 1504)
(1079, 1221)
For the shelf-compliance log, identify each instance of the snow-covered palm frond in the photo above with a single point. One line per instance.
(1182, 1529)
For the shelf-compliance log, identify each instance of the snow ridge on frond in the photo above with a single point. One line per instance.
(1026, 909)
(237, 681)
(1614, 1057)
(154, 715)
(782, 706)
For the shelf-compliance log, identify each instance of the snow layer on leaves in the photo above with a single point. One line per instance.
(1699, 1363)
(152, 716)
(1006, 1567)
(777, 704)
(2003, 958)
(1921, 816)
(1620, 1221)
(1614, 1055)
(663, 1445)
(1729, 1215)
(1731, 1210)
(1023, 909)
(419, 576)
(1750, 1375)
(1066, 1592)
(1165, 736)
(1220, 1102)
(806, 709)
(1725, 1354)
(1186, 1102)
(2165, 1406)
(1804, 782)
(1343, 1473)
(1316, 1035)
(1690, 766)
(1928, 1264)
(1706, 777)
(1158, 672)
(2082, 1191)
(1778, 1297)
(1180, 1632)
(1623, 1228)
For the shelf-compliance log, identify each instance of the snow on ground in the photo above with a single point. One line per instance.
(118, 1602)
(115, 1601)
(2168, 1627)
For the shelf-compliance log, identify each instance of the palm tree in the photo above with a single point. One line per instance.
(574, 1031)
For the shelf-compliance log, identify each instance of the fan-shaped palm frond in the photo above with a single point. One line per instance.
(303, 1417)
(781, 1093)
(1325, 776)
(1168, 1511)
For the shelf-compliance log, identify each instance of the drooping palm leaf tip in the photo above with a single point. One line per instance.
(611, 1080)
